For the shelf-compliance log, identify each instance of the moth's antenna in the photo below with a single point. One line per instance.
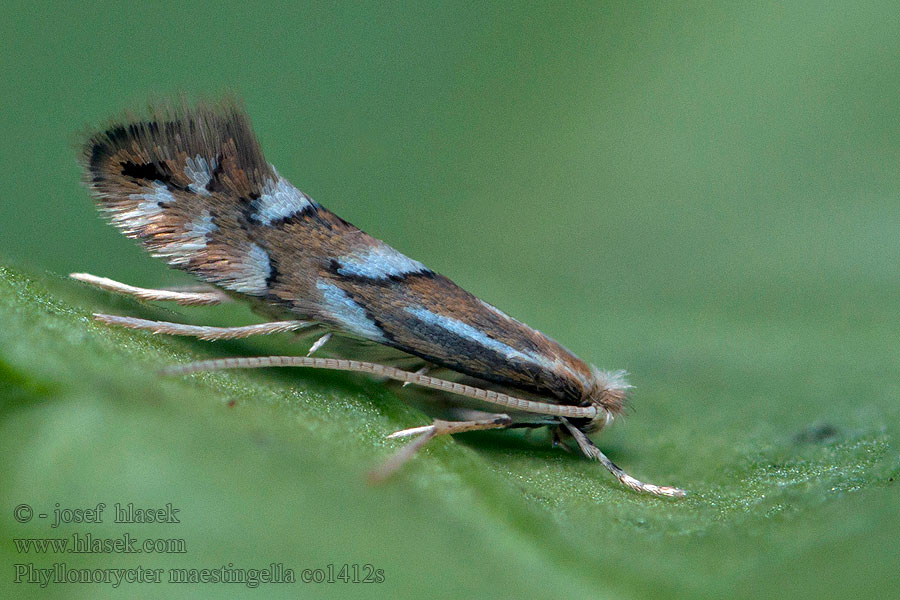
(489, 396)
(592, 451)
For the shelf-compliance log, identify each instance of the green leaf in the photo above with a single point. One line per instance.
(269, 467)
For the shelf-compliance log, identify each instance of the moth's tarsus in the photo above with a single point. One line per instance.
(426, 433)
(317, 345)
(592, 451)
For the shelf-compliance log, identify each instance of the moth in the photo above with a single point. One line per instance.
(190, 183)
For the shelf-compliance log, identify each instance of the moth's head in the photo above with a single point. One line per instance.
(608, 392)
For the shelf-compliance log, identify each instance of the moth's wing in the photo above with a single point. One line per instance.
(184, 182)
(327, 268)
(193, 186)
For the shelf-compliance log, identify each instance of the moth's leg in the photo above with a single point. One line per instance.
(207, 298)
(421, 371)
(426, 433)
(556, 440)
(202, 331)
(319, 343)
(190, 287)
(592, 451)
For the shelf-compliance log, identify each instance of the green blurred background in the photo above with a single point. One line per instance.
(706, 194)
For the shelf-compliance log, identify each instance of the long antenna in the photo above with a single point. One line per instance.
(489, 396)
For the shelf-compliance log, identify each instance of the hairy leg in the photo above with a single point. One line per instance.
(202, 331)
(208, 298)
(426, 433)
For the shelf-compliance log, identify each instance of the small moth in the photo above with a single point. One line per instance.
(191, 184)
